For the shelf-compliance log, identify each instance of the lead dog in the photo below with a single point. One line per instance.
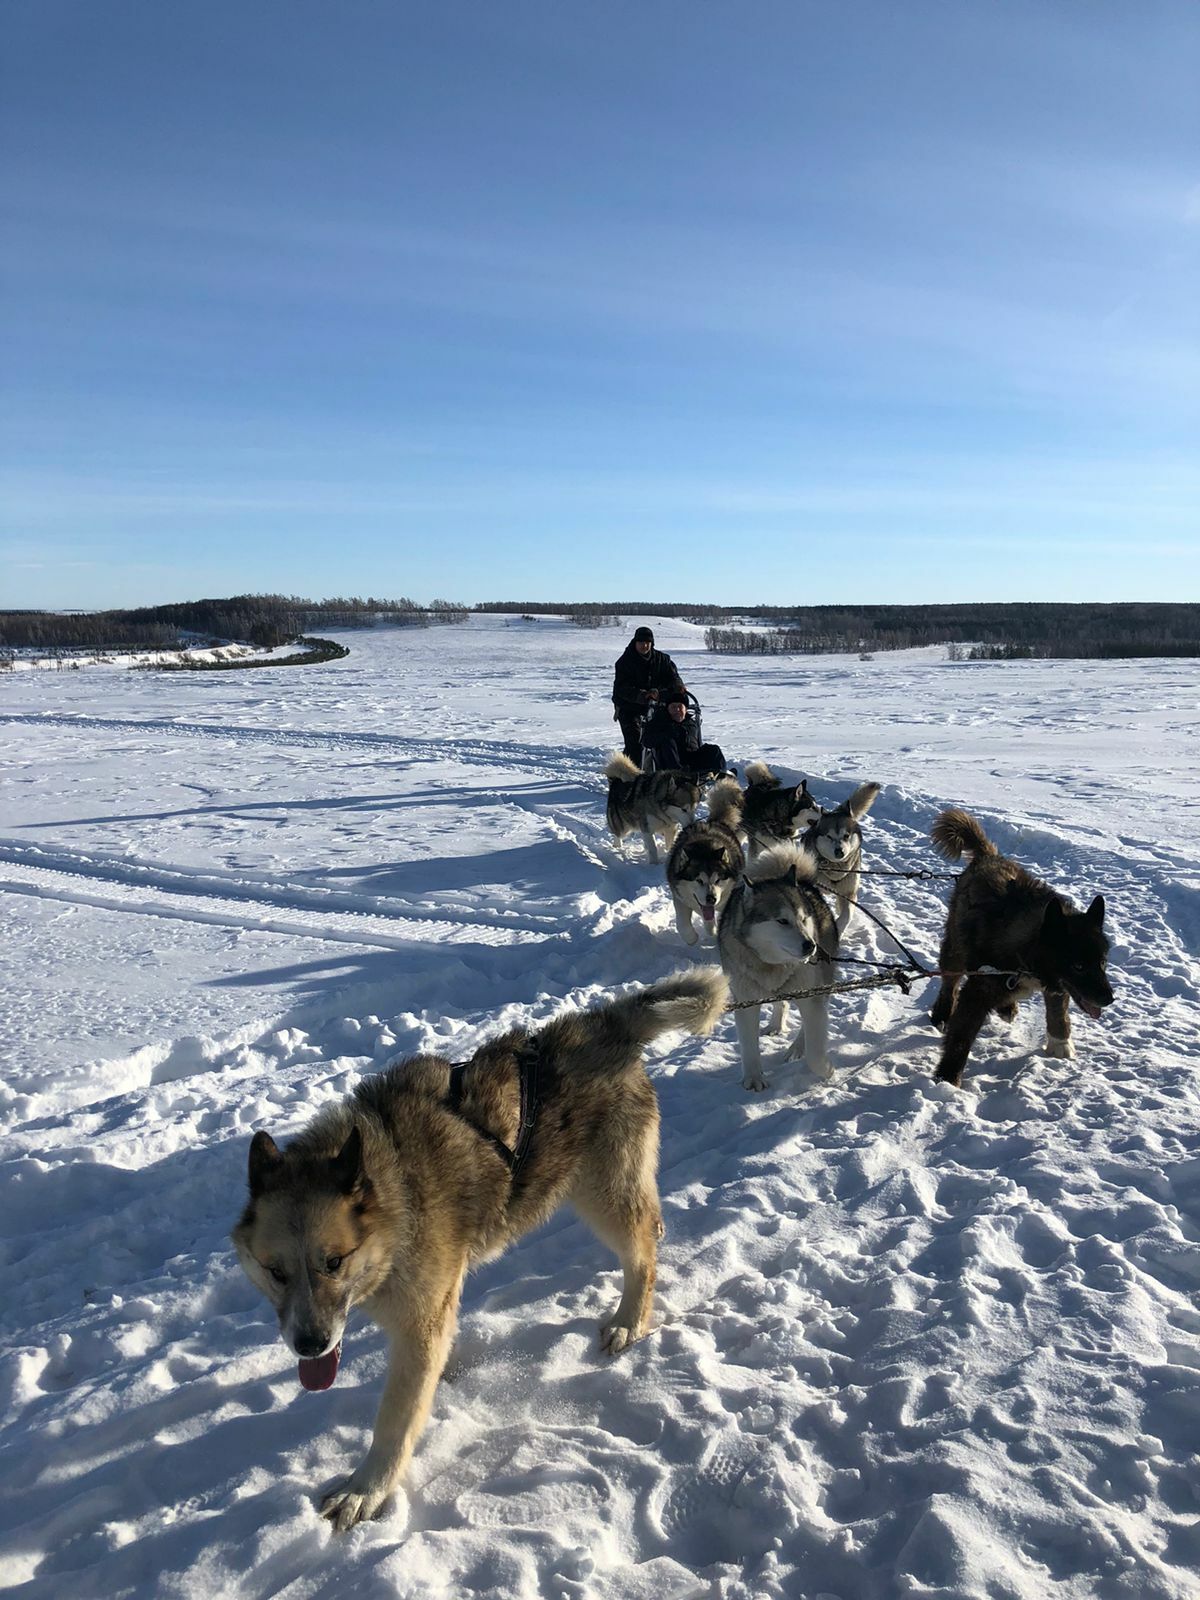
(1002, 916)
(387, 1199)
(777, 936)
(706, 861)
(649, 802)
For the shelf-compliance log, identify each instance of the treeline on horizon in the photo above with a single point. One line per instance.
(266, 620)
(1006, 629)
(1018, 630)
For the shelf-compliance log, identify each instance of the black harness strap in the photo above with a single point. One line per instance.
(528, 1066)
(528, 1062)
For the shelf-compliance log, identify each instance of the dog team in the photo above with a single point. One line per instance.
(774, 876)
(388, 1198)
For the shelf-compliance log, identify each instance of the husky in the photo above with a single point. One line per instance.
(649, 802)
(777, 936)
(389, 1197)
(835, 838)
(774, 813)
(1002, 916)
(706, 861)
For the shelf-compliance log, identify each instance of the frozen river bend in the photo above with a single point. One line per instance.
(908, 1341)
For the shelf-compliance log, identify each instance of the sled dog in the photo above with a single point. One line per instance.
(706, 861)
(649, 802)
(777, 936)
(835, 838)
(387, 1198)
(774, 813)
(1002, 916)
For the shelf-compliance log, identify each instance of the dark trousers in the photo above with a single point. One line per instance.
(631, 732)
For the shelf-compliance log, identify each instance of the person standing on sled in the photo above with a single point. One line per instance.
(643, 675)
(674, 739)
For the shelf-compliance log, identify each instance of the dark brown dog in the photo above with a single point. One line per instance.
(1003, 917)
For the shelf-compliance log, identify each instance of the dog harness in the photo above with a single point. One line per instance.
(830, 869)
(528, 1064)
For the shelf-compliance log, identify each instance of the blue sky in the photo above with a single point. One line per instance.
(767, 302)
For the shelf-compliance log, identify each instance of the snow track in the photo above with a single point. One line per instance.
(533, 760)
(909, 1341)
(216, 897)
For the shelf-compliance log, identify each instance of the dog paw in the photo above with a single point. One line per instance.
(755, 1082)
(821, 1070)
(351, 1504)
(690, 937)
(616, 1336)
(1060, 1049)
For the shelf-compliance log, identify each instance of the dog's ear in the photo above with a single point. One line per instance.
(1095, 912)
(1053, 916)
(265, 1156)
(863, 798)
(346, 1167)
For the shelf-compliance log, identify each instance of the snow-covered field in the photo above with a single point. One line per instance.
(909, 1341)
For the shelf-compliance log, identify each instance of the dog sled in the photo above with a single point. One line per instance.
(652, 710)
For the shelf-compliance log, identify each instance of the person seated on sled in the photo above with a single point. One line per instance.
(673, 738)
(643, 675)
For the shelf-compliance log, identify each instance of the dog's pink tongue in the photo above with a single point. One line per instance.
(319, 1374)
(707, 910)
(1092, 1011)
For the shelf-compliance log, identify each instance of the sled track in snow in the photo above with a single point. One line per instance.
(113, 885)
(535, 760)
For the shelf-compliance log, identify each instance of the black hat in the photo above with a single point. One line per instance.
(644, 633)
(678, 694)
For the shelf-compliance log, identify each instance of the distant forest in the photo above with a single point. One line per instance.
(1028, 629)
(1000, 631)
(266, 620)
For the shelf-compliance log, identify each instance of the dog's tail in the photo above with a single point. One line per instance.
(610, 1037)
(956, 832)
(725, 803)
(760, 776)
(689, 1002)
(621, 769)
(783, 861)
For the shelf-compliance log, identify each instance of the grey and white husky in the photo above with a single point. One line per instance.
(835, 838)
(773, 812)
(649, 802)
(777, 936)
(706, 861)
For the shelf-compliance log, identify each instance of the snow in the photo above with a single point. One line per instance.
(909, 1341)
(30, 660)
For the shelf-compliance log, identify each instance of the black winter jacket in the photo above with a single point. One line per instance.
(636, 675)
(670, 741)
